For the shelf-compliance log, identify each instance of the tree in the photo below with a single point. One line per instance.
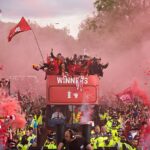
(109, 12)
(121, 6)
(105, 5)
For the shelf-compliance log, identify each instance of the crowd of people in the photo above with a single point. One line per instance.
(77, 65)
(120, 127)
(22, 138)
(123, 127)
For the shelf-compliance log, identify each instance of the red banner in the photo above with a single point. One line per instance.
(72, 90)
(126, 95)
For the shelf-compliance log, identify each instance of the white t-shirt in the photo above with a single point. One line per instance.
(57, 115)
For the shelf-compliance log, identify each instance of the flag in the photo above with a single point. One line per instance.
(20, 27)
(126, 95)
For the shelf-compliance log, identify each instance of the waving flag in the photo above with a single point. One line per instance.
(20, 27)
(126, 95)
(134, 91)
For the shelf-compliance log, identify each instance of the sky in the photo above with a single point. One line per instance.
(60, 13)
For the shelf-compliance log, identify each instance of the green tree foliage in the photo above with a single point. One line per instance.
(105, 5)
(109, 12)
(121, 7)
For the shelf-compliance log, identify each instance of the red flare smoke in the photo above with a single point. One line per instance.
(11, 107)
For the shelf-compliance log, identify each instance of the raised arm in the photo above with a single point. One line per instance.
(52, 55)
(60, 146)
(105, 66)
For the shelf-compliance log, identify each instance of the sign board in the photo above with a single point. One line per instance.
(72, 90)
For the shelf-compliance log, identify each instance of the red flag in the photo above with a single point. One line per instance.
(20, 27)
(126, 95)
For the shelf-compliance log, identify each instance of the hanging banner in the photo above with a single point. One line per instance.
(72, 90)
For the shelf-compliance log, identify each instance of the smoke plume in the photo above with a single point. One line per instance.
(126, 49)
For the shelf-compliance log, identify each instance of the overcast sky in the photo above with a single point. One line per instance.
(61, 13)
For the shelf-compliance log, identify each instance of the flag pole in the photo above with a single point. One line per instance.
(38, 45)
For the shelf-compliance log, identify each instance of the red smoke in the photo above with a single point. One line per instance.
(126, 49)
(1, 67)
(10, 106)
(145, 137)
(137, 91)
